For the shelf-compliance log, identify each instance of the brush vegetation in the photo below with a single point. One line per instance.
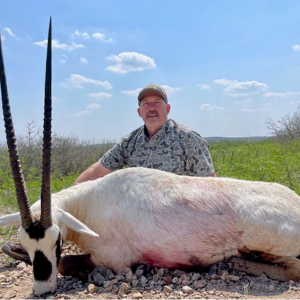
(268, 160)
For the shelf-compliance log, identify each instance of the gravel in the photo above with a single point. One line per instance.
(143, 282)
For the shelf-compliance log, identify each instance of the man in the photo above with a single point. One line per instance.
(160, 144)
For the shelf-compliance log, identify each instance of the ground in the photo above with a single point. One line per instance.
(219, 282)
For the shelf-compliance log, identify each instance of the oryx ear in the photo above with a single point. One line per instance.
(11, 220)
(73, 223)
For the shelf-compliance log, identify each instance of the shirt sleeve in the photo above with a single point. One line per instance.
(198, 159)
(114, 159)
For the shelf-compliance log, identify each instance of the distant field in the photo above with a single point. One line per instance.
(265, 160)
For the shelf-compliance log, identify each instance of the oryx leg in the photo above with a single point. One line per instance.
(290, 264)
(16, 251)
(286, 268)
(76, 265)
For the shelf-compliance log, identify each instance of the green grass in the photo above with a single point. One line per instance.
(33, 188)
(264, 161)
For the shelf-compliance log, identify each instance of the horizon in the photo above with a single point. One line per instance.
(227, 67)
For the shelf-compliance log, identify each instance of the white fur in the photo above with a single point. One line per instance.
(149, 216)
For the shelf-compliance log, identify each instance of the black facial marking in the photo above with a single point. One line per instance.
(58, 249)
(36, 231)
(42, 268)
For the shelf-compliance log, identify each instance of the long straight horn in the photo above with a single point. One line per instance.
(46, 219)
(22, 198)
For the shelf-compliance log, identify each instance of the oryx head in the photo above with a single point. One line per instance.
(41, 238)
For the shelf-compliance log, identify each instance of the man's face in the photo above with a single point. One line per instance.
(154, 111)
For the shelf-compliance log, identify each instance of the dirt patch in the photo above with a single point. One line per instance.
(219, 282)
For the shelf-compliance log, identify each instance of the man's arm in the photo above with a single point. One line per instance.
(95, 171)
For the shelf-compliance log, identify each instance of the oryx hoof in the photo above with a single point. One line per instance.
(16, 251)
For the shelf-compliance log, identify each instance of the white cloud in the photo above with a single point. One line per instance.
(63, 59)
(235, 88)
(80, 113)
(3, 38)
(101, 37)
(296, 48)
(85, 35)
(57, 45)
(170, 90)
(93, 106)
(204, 86)
(132, 92)
(281, 95)
(76, 81)
(100, 96)
(208, 106)
(83, 60)
(256, 110)
(9, 31)
(127, 62)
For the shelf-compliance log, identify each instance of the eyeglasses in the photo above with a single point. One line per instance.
(148, 105)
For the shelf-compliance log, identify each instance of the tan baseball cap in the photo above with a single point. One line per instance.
(153, 88)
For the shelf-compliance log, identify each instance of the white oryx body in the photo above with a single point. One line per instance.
(161, 219)
(166, 220)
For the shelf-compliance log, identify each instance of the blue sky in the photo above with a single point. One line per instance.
(227, 66)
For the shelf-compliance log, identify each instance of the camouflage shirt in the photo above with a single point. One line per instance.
(174, 148)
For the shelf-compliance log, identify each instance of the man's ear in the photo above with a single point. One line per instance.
(139, 111)
(168, 107)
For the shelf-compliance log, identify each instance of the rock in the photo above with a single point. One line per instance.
(100, 269)
(167, 289)
(97, 278)
(139, 272)
(271, 288)
(120, 278)
(130, 278)
(109, 274)
(21, 266)
(184, 279)
(107, 284)
(178, 273)
(199, 284)
(167, 279)
(196, 276)
(134, 283)
(115, 289)
(143, 281)
(262, 278)
(187, 290)
(235, 278)
(175, 280)
(161, 272)
(229, 277)
(136, 296)
(3, 278)
(124, 288)
(92, 288)
(127, 272)
(214, 276)
(129, 275)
